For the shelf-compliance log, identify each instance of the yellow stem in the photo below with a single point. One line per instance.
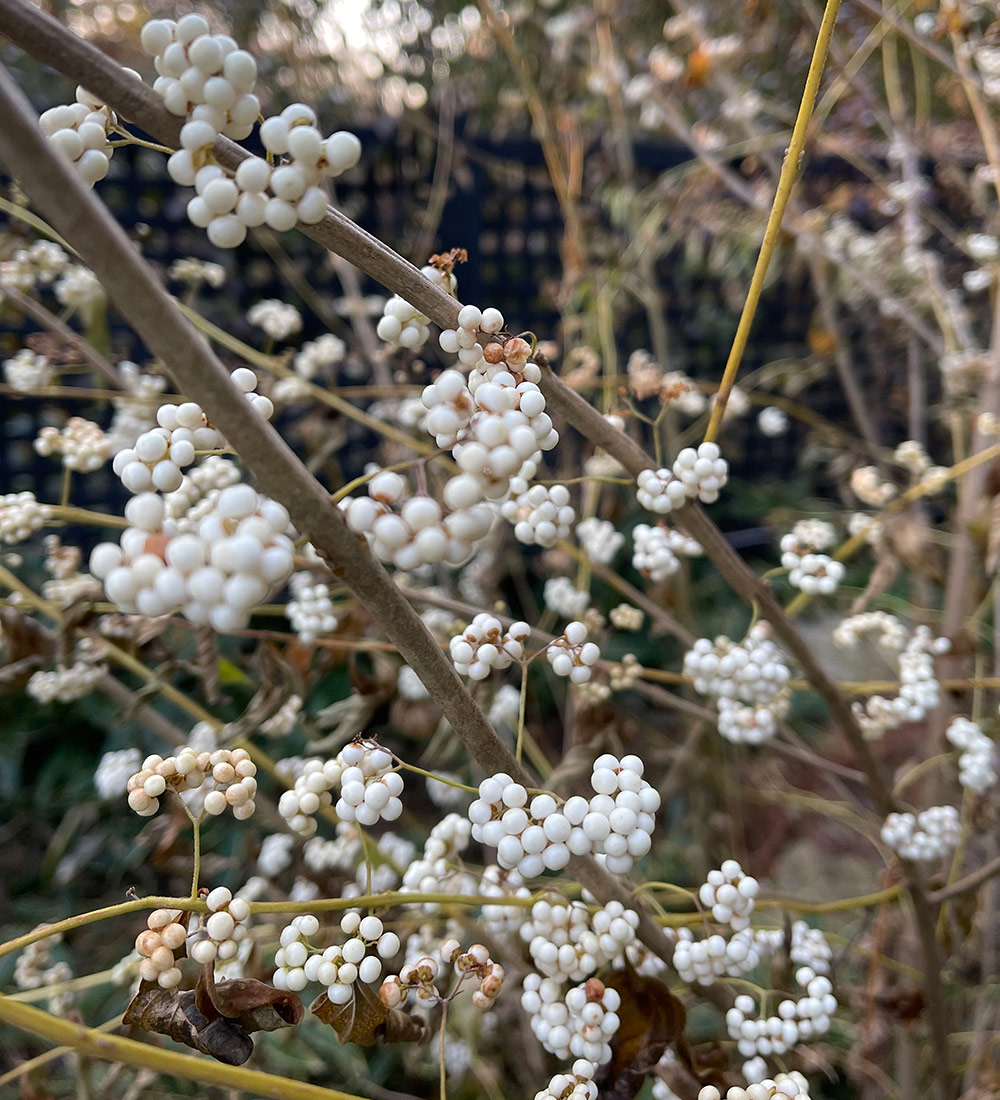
(50, 1055)
(114, 1048)
(855, 542)
(95, 915)
(789, 171)
(315, 905)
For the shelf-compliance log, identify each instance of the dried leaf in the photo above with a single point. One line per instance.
(214, 1019)
(652, 1019)
(175, 1014)
(256, 1006)
(364, 1019)
(401, 1027)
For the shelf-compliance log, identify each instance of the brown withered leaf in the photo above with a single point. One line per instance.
(652, 1019)
(254, 1005)
(25, 646)
(175, 1014)
(364, 1019)
(216, 1019)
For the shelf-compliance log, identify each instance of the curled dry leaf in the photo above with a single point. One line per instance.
(364, 1019)
(652, 1019)
(215, 1019)
(174, 1013)
(256, 1006)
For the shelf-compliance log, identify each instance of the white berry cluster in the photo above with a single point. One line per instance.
(868, 486)
(199, 491)
(66, 683)
(484, 645)
(113, 771)
(40, 264)
(156, 944)
(919, 691)
(621, 815)
(218, 936)
(496, 426)
(369, 789)
(599, 539)
(809, 948)
(561, 595)
(81, 130)
(359, 765)
(626, 617)
(696, 475)
(402, 323)
(79, 288)
(748, 680)
(464, 340)
(889, 633)
(194, 273)
(506, 434)
(572, 655)
(206, 79)
(82, 443)
(314, 355)
(578, 1084)
(580, 1023)
(310, 611)
(438, 868)
(497, 882)
(216, 575)
(413, 531)
(541, 515)
(814, 573)
(655, 550)
(202, 75)
(795, 1022)
(928, 836)
(35, 966)
(702, 961)
(529, 836)
(730, 894)
(338, 967)
(20, 516)
(977, 762)
(566, 942)
(509, 402)
(279, 320)
(217, 780)
(450, 406)
(27, 371)
(292, 954)
(158, 456)
(785, 1086)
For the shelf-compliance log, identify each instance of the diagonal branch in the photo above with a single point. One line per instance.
(60, 195)
(86, 223)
